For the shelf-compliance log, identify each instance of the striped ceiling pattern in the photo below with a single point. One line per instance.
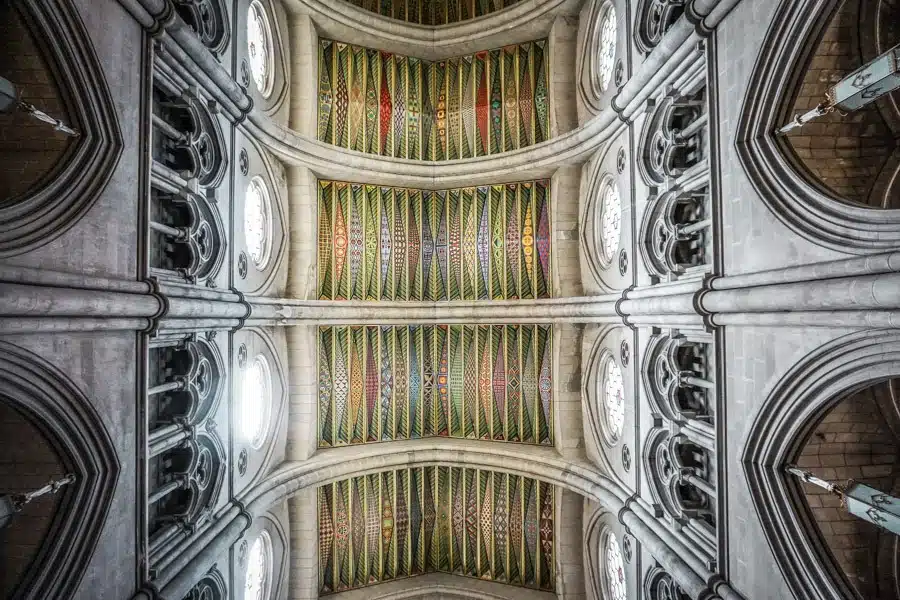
(382, 103)
(470, 522)
(489, 382)
(433, 12)
(479, 243)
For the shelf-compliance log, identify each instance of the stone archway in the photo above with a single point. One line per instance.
(789, 417)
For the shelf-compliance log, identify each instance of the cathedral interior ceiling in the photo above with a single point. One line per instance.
(392, 105)
(433, 12)
(462, 381)
(465, 521)
(380, 243)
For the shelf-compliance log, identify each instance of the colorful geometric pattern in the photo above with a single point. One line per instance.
(480, 243)
(383, 103)
(395, 524)
(430, 12)
(488, 382)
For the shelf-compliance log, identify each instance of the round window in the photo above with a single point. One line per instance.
(259, 48)
(610, 222)
(614, 573)
(255, 401)
(607, 45)
(258, 222)
(258, 582)
(613, 401)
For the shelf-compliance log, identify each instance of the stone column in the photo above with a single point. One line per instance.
(570, 580)
(303, 390)
(304, 75)
(304, 580)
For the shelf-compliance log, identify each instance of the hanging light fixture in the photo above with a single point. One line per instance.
(864, 85)
(859, 500)
(10, 101)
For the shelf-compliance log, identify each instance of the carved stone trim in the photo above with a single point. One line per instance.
(783, 423)
(45, 213)
(803, 205)
(53, 403)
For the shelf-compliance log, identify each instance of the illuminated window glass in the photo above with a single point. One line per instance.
(258, 222)
(613, 401)
(259, 48)
(607, 45)
(615, 568)
(255, 401)
(610, 221)
(258, 582)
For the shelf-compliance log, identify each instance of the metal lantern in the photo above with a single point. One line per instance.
(860, 500)
(861, 87)
(9, 99)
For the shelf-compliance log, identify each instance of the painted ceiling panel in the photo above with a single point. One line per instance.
(392, 105)
(433, 12)
(479, 243)
(407, 522)
(489, 382)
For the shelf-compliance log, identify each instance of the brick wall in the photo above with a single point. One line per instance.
(29, 149)
(845, 152)
(853, 441)
(26, 463)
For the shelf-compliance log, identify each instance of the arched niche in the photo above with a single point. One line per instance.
(31, 149)
(835, 180)
(606, 201)
(857, 439)
(56, 180)
(260, 179)
(855, 157)
(610, 436)
(836, 376)
(28, 462)
(270, 15)
(66, 420)
(609, 551)
(267, 538)
(251, 460)
(601, 60)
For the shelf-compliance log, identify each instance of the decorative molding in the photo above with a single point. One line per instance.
(785, 420)
(803, 205)
(43, 214)
(209, 21)
(55, 405)
(592, 96)
(658, 585)
(597, 176)
(654, 18)
(521, 22)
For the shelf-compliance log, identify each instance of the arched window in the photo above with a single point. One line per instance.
(255, 401)
(258, 222)
(613, 401)
(610, 222)
(614, 586)
(259, 48)
(607, 45)
(258, 582)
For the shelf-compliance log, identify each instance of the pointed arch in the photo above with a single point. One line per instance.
(789, 414)
(803, 205)
(68, 420)
(49, 210)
